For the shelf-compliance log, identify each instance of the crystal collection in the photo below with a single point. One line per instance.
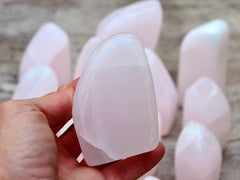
(126, 100)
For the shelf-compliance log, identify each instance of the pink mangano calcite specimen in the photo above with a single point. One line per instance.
(143, 19)
(114, 105)
(205, 102)
(204, 52)
(198, 154)
(165, 90)
(38, 81)
(50, 45)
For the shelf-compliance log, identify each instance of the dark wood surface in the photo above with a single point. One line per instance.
(20, 19)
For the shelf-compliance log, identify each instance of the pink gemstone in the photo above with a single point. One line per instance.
(143, 19)
(198, 154)
(39, 80)
(204, 52)
(85, 54)
(205, 103)
(50, 45)
(165, 90)
(114, 106)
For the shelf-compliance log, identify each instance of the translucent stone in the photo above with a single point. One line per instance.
(204, 52)
(85, 54)
(114, 107)
(205, 102)
(50, 45)
(198, 154)
(143, 19)
(39, 80)
(165, 90)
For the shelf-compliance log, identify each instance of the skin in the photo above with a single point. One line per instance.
(29, 148)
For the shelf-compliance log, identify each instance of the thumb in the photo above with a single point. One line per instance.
(57, 106)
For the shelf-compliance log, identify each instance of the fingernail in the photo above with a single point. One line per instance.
(62, 88)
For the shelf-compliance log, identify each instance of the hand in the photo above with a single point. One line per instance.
(29, 148)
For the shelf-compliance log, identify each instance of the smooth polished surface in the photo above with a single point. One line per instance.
(143, 19)
(165, 90)
(50, 46)
(114, 105)
(205, 103)
(198, 154)
(36, 82)
(85, 54)
(204, 52)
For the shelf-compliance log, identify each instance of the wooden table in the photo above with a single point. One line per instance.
(20, 19)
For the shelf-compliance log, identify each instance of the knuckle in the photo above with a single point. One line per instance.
(8, 106)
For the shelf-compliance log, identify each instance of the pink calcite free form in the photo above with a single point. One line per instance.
(38, 81)
(204, 52)
(205, 102)
(198, 154)
(50, 45)
(114, 107)
(143, 19)
(165, 90)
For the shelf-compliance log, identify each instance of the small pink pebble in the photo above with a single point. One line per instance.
(50, 46)
(38, 81)
(205, 103)
(204, 52)
(143, 19)
(165, 91)
(198, 154)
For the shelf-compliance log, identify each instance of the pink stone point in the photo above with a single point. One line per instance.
(198, 154)
(143, 19)
(85, 54)
(204, 52)
(50, 46)
(205, 103)
(114, 105)
(38, 81)
(165, 90)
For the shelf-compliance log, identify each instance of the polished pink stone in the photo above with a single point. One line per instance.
(165, 90)
(198, 154)
(50, 45)
(85, 54)
(39, 80)
(205, 102)
(114, 105)
(204, 52)
(143, 19)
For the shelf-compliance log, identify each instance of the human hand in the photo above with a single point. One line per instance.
(29, 148)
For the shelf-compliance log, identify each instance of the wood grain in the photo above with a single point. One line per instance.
(20, 19)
